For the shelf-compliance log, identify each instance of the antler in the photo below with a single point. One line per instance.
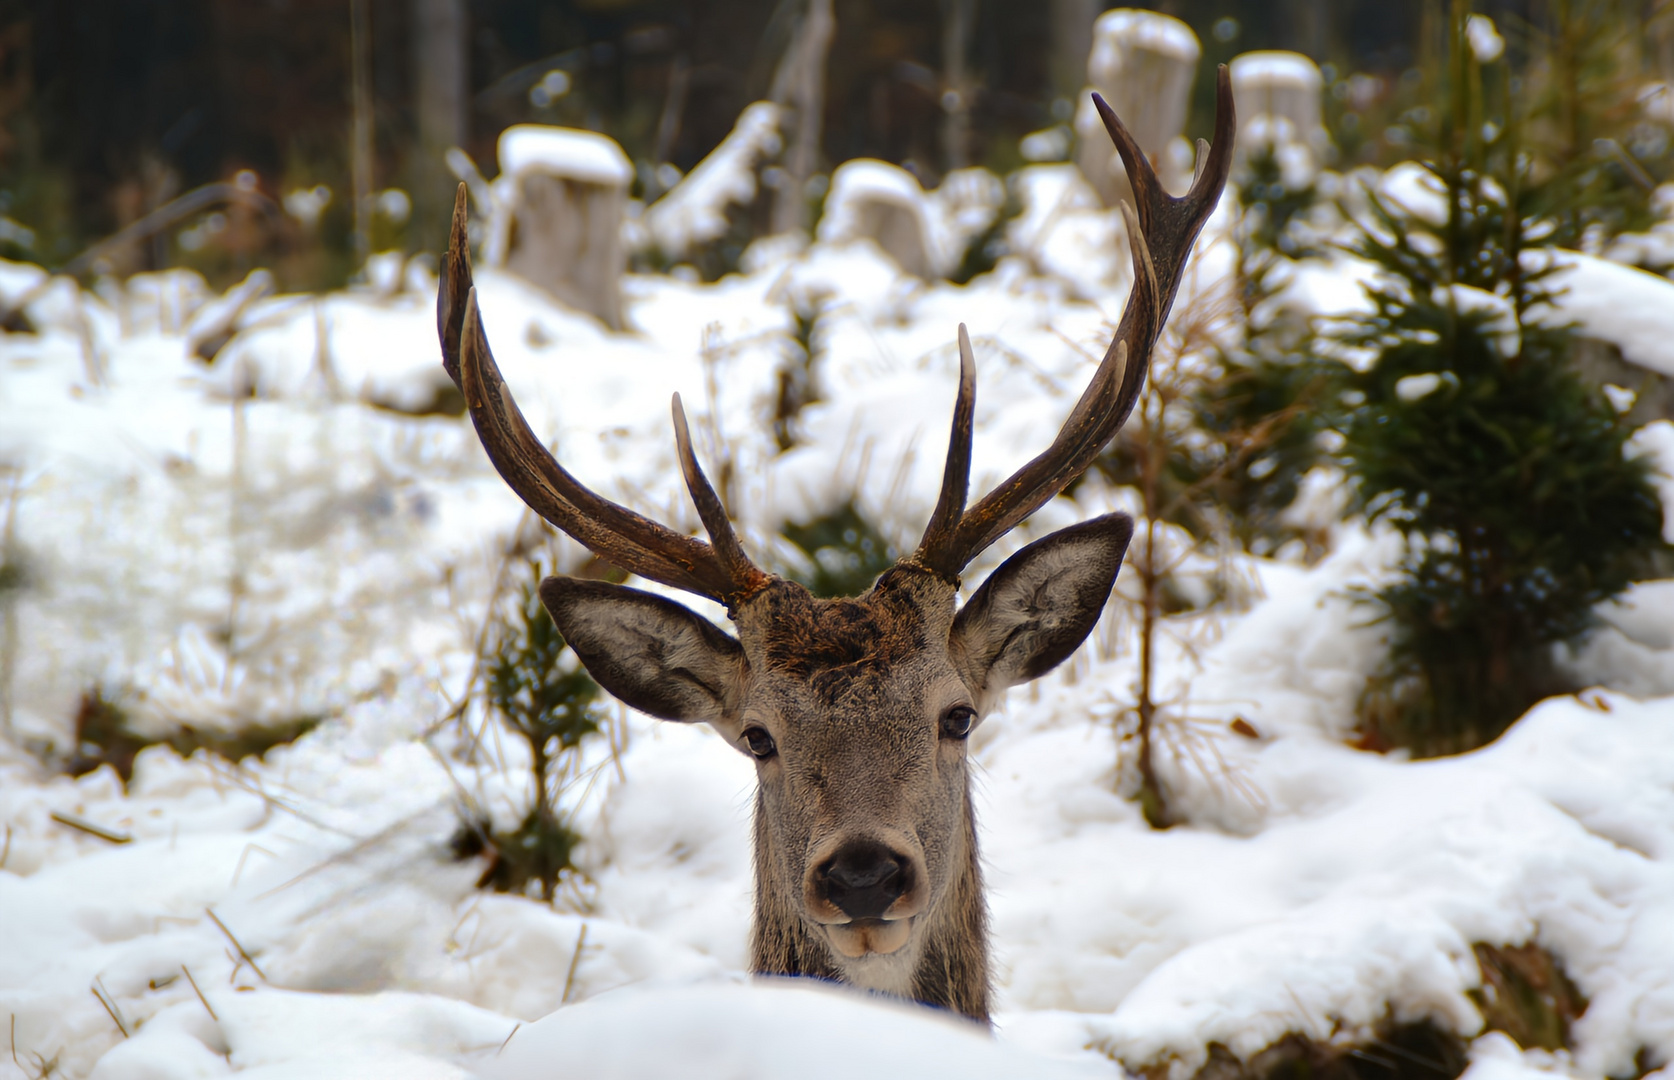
(611, 531)
(1161, 239)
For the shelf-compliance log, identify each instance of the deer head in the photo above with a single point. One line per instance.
(855, 711)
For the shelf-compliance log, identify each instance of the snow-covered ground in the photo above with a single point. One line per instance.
(257, 540)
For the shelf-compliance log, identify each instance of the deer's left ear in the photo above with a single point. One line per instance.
(1038, 606)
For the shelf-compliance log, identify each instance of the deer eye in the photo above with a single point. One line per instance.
(760, 743)
(957, 721)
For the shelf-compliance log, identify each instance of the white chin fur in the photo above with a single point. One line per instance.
(861, 962)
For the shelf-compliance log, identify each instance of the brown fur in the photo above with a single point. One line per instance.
(854, 693)
(865, 654)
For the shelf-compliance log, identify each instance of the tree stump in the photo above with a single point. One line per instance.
(883, 203)
(559, 204)
(1279, 99)
(925, 232)
(1143, 64)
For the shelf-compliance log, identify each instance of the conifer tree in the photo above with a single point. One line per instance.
(1472, 434)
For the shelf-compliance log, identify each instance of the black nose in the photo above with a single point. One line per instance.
(863, 879)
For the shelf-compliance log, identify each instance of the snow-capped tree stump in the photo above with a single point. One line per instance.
(883, 203)
(1143, 64)
(559, 204)
(1279, 98)
(925, 232)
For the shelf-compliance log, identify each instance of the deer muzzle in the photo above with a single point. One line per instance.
(865, 893)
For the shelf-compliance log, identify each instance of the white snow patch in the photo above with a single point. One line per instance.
(1656, 442)
(693, 212)
(578, 155)
(210, 556)
(772, 1030)
(1412, 189)
(1624, 306)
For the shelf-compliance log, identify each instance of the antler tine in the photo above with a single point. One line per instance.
(613, 532)
(1161, 231)
(1096, 417)
(456, 283)
(956, 473)
(745, 576)
(1167, 220)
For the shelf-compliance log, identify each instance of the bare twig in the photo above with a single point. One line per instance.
(350, 852)
(88, 827)
(246, 957)
(233, 774)
(618, 736)
(195, 989)
(513, 548)
(575, 961)
(110, 1006)
(238, 871)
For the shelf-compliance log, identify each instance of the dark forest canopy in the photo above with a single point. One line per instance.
(110, 107)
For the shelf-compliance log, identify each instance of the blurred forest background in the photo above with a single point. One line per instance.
(109, 109)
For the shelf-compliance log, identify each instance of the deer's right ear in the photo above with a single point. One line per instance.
(654, 654)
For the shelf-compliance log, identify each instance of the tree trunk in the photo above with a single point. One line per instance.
(1072, 40)
(800, 84)
(360, 138)
(440, 79)
(956, 91)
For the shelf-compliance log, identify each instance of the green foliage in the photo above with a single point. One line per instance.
(538, 851)
(549, 700)
(797, 387)
(848, 553)
(552, 704)
(105, 735)
(1596, 155)
(1268, 417)
(1472, 434)
(1262, 417)
(1276, 211)
(988, 247)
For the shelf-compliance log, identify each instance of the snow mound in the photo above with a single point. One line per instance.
(771, 1030)
(1133, 29)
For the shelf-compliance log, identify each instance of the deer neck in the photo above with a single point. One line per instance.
(946, 964)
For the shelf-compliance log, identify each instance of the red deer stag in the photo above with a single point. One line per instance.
(855, 711)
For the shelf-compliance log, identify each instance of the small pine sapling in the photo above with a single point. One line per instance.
(846, 551)
(1168, 461)
(1471, 433)
(1269, 409)
(535, 686)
